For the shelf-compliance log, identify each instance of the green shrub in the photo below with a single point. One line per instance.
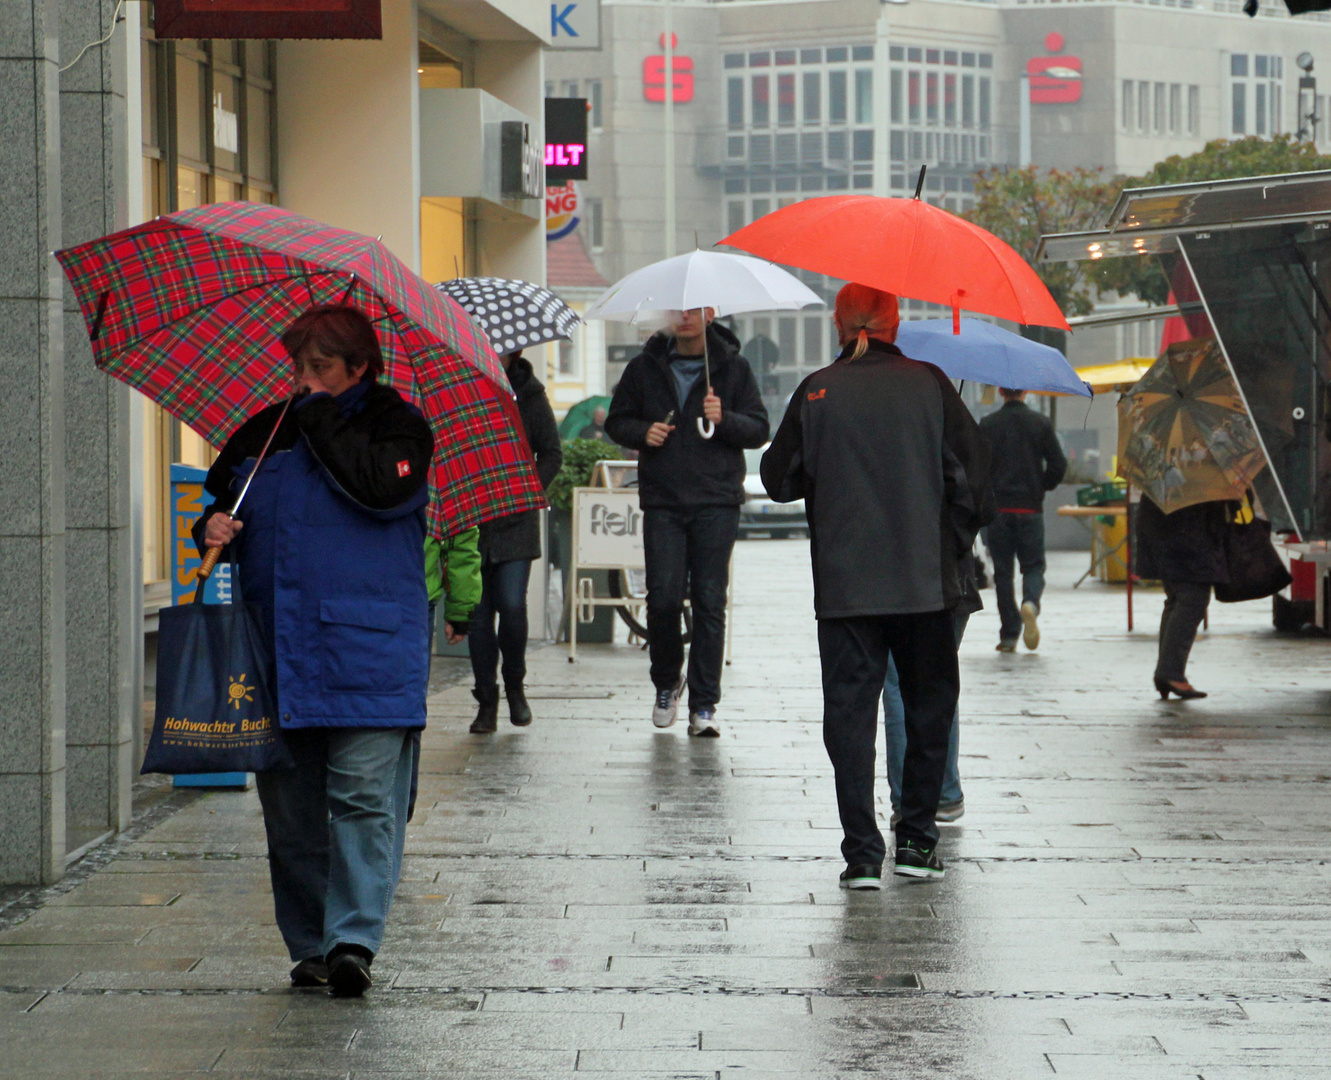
(580, 458)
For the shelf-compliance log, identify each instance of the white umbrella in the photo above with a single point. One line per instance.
(717, 279)
(700, 279)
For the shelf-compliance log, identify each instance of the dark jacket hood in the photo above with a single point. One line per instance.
(722, 344)
(522, 377)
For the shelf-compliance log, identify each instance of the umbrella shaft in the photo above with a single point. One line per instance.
(262, 454)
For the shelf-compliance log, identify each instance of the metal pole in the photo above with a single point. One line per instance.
(669, 133)
(882, 103)
(1024, 149)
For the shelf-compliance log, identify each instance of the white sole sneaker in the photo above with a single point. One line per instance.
(1030, 630)
(708, 729)
(664, 718)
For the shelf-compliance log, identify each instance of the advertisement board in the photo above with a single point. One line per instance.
(607, 529)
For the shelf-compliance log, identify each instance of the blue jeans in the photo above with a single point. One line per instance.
(336, 825)
(894, 724)
(688, 553)
(503, 593)
(1019, 537)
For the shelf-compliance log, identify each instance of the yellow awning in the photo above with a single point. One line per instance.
(1124, 373)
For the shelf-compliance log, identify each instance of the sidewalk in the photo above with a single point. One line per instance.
(1137, 889)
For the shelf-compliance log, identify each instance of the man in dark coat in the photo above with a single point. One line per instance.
(508, 545)
(1028, 461)
(692, 437)
(894, 475)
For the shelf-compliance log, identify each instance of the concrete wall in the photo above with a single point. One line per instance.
(347, 132)
(66, 729)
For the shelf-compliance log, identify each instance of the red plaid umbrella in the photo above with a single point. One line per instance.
(189, 308)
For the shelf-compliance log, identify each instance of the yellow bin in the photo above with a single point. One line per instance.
(1109, 532)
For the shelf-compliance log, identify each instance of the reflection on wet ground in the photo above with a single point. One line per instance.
(1136, 889)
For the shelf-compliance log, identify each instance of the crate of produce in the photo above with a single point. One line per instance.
(1111, 491)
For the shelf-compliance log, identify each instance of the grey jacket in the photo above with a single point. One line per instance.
(896, 481)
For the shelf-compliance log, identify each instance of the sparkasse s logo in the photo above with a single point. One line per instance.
(1055, 80)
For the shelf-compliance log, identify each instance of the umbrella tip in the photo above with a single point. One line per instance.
(919, 183)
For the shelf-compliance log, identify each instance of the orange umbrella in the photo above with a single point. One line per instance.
(906, 247)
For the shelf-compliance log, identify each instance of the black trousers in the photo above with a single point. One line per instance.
(854, 656)
(1185, 608)
(689, 551)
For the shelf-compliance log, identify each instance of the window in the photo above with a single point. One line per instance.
(596, 223)
(569, 88)
(735, 103)
(861, 52)
(864, 95)
(1143, 106)
(1158, 114)
(813, 100)
(931, 97)
(815, 334)
(895, 109)
(862, 145)
(1129, 118)
(913, 97)
(594, 102)
(836, 95)
(811, 56)
(984, 99)
(949, 99)
(734, 217)
(760, 101)
(784, 57)
(761, 208)
(785, 100)
(1194, 109)
(1257, 91)
(568, 356)
(734, 60)
(1175, 109)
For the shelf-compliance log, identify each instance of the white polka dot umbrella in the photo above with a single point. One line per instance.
(515, 315)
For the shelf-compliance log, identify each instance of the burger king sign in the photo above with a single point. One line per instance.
(561, 211)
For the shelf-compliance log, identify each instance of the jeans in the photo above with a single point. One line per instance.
(1020, 536)
(503, 593)
(689, 549)
(894, 726)
(854, 654)
(336, 825)
(1185, 608)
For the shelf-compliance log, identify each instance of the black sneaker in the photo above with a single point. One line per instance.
(349, 970)
(916, 860)
(310, 972)
(862, 876)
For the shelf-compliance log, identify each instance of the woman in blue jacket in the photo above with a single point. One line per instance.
(329, 546)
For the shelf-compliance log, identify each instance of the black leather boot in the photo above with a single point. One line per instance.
(518, 710)
(487, 716)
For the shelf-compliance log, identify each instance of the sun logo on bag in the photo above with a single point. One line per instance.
(239, 691)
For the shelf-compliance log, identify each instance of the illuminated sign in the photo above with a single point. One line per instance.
(654, 76)
(561, 211)
(1055, 80)
(565, 140)
(267, 19)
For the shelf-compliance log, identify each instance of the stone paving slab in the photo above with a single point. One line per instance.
(1138, 889)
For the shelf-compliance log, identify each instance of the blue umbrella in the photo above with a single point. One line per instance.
(986, 353)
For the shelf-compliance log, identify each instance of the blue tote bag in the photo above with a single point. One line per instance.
(215, 713)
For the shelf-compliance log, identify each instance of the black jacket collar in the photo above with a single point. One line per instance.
(875, 345)
(722, 345)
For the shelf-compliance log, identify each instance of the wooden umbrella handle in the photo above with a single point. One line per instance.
(209, 562)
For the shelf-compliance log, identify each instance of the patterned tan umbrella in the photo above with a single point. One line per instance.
(1184, 435)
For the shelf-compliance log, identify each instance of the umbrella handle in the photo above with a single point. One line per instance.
(706, 428)
(205, 570)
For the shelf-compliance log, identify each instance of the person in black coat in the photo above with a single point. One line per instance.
(508, 545)
(692, 439)
(1185, 551)
(895, 476)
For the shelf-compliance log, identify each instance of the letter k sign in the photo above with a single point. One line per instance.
(559, 17)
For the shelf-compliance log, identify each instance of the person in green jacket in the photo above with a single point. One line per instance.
(453, 574)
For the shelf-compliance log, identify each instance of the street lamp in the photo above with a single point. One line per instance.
(1308, 117)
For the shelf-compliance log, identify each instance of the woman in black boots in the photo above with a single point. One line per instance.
(508, 545)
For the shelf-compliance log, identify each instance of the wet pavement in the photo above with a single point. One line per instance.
(1136, 890)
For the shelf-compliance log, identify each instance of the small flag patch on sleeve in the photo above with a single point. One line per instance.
(404, 468)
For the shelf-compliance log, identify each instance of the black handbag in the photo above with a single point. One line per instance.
(1255, 570)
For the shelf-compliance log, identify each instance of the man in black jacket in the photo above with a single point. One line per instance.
(692, 437)
(1027, 462)
(894, 475)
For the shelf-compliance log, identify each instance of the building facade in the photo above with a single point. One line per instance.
(780, 100)
(111, 126)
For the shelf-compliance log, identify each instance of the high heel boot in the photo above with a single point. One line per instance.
(1186, 691)
(519, 712)
(487, 716)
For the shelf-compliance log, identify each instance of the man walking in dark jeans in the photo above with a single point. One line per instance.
(692, 439)
(1027, 462)
(894, 475)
